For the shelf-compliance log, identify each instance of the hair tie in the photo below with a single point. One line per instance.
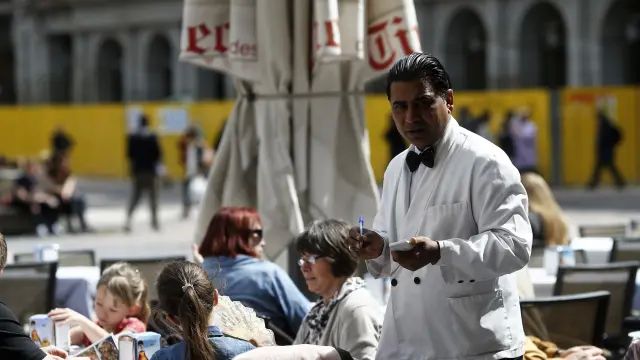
(186, 286)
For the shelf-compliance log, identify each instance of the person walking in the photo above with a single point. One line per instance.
(145, 155)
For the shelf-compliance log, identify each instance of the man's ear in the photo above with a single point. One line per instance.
(134, 310)
(215, 297)
(449, 99)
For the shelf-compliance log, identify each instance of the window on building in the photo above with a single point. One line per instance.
(465, 51)
(621, 43)
(543, 47)
(110, 84)
(7, 64)
(60, 68)
(160, 69)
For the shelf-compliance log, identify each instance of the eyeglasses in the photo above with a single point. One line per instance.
(311, 259)
(256, 232)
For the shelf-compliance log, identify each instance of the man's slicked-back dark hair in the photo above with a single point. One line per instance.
(420, 66)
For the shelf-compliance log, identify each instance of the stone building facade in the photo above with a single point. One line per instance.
(81, 51)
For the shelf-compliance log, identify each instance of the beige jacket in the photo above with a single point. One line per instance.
(353, 326)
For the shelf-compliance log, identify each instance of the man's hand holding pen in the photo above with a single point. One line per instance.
(367, 246)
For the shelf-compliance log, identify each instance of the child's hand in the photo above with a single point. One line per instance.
(67, 316)
(52, 350)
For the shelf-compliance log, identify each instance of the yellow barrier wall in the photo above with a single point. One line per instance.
(579, 127)
(25, 132)
(99, 132)
(377, 118)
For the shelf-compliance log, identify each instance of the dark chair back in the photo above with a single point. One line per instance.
(608, 230)
(281, 336)
(619, 279)
(29, 289)
(149, 268)
(65, 258)
(625, 249)
(568, 320)
(537, 257)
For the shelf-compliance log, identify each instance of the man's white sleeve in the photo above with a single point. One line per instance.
(500, 207)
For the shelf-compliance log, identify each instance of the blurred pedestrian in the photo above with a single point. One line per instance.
(60, 182)
(395, 140)
(61, 141)
(29, 197)
(145, 159)
(505, 140)
(195, 159)
(609, 136)
(525, 135)
(482, 128)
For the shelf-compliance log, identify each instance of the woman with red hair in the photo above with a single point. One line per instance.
(232, 249)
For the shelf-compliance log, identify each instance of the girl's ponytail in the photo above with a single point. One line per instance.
(186, 293)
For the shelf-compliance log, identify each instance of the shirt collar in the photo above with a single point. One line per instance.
(214, 331)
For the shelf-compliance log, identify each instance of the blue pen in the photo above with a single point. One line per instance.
(361, 223)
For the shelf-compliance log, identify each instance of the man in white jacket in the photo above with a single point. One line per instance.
(451, 230)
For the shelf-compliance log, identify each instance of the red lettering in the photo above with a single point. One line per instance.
(403, 37)
(194, 39)
(220, 30)
(404, 41)
(330, 27)
(383, 58)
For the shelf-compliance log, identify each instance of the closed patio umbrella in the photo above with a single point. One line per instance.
(295, 146)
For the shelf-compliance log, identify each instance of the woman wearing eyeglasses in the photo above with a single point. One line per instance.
(232, 249)
(346, 317)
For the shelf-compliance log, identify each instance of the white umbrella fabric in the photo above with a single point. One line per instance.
(295, 146)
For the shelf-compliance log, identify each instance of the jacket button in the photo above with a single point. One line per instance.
(394, 282)
(416, 280)
(460, 281)
(472, 280)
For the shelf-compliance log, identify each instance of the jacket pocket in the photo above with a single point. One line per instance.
(448, 221)
(481, 323)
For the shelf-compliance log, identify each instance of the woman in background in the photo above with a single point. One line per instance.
(547, 221)
(232, 249)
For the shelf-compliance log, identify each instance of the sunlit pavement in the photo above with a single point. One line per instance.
(107, 202)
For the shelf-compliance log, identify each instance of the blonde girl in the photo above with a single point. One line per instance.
(120, 305)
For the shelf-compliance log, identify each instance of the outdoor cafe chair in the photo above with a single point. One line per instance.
(65, 258)
(28, 288)
(625, 249)
(603, 230)
(619, 279)
(567, 320)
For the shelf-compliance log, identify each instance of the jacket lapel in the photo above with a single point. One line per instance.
(416, 213)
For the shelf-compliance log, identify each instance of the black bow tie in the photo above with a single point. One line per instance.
(426, 157)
